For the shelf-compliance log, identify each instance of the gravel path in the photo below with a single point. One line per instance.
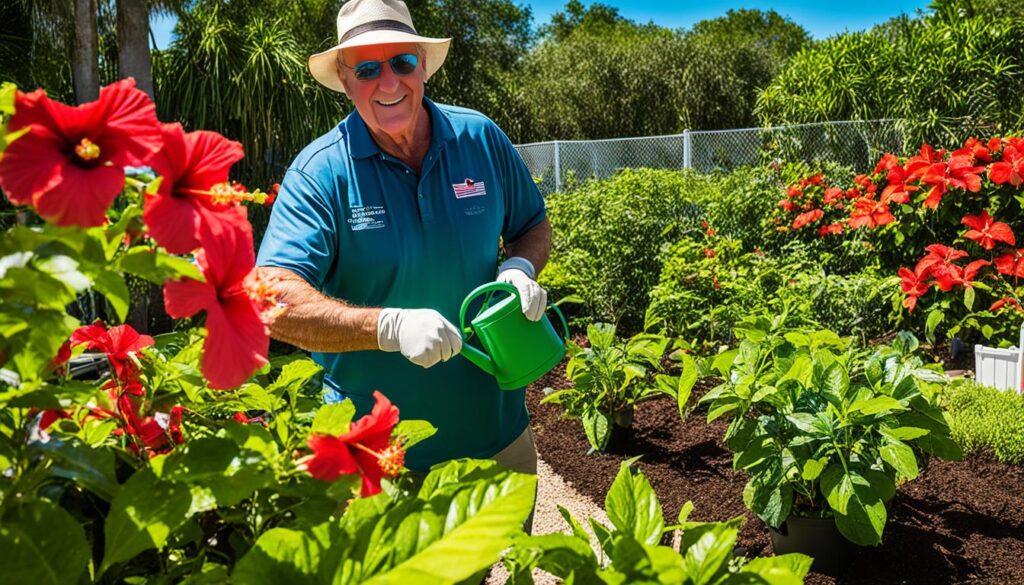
(553, 491)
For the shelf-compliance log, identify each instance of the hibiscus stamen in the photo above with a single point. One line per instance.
(87, 150)
(226, 192)
(390, 459)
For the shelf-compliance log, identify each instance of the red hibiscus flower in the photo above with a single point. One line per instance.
(959, 173)
(119, 343)
(50, 416)
(1011, 264)
(709, 252)
(987, 232)
(832, 228)
(869, 213)
(914, 284)
(975, 149)
(237, 338)
(787, 205)
(1010, 169)
(161, 431)
(194, 167)
(366, 448)
(939, 261)
(833, 195)
(70, 163)
(807, 217)
(919, 164)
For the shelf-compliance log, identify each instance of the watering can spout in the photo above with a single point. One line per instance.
(479, 358)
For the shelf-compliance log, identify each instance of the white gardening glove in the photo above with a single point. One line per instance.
(423, 336)
(518, 272)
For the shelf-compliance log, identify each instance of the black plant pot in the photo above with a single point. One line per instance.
(817, 538)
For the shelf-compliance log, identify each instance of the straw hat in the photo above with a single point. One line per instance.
(374, 22)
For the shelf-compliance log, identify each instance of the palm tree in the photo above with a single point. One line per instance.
(133, 58)
(85, 54)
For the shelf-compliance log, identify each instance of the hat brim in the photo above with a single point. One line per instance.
(324, 65)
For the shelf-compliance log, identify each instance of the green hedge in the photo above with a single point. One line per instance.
(988, 419)
(608, 237)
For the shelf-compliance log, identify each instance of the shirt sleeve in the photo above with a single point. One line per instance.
(302, 233)
(524, 205)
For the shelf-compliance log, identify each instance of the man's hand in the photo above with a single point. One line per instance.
(423, 336)
(532, 297)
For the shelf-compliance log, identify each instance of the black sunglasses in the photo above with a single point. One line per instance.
(403, 64)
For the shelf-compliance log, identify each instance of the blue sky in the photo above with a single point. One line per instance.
(821, 19)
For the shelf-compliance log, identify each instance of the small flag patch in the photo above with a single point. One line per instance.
(469, 188)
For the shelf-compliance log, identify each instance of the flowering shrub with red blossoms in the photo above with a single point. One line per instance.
(915, 209)
(192, 455)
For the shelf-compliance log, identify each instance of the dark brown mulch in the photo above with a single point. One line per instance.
(959, 522)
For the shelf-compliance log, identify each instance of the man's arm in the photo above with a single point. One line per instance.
(316, 322)
(534, 245)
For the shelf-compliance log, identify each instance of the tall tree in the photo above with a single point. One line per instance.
(85, 54)
(133, 59)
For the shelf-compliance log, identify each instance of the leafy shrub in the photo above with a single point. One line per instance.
(608, 234)
(708, 286)
(859, 304)
(630, 553)
(929, 71)
(610, 377)
(826, 432)
(984, 418)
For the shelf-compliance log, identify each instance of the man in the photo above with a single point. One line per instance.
(384, 224)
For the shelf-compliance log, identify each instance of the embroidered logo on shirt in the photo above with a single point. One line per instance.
(469, 188)
(367, 217)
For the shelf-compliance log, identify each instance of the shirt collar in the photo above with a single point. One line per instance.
(362, 145)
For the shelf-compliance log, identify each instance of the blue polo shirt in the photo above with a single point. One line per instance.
(360, 225)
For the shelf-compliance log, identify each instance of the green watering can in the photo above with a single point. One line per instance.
(517, 351)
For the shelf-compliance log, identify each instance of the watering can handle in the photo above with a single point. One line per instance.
(493, 287)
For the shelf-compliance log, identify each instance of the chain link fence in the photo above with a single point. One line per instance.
(857, 144)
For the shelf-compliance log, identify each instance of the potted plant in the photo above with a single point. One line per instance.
(827, 432)
(611, 376)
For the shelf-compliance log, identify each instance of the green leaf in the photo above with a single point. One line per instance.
(813, 468)
(837, 486)
(411, 432)
(226, 474)
(877, 405)
(687, 379)
(904, 433)
(901, 457)
(859, 511)
(560, 554)
(294, 376)
(969, 298)
(633, 507)
(8, 91)
(597, 425)
(789, 569)
(111, 285)
(90, 467)
(42, 544)
(280, 555)
(707, 556)
(934, 318)
(491, 518)
(142, 516)
(333, 419)
(723, 362)
(772, 502)
(601, 335)
(157, 266)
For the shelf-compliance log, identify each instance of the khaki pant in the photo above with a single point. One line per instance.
(521, 456)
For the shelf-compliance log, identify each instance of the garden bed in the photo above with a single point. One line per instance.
(959, 522)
